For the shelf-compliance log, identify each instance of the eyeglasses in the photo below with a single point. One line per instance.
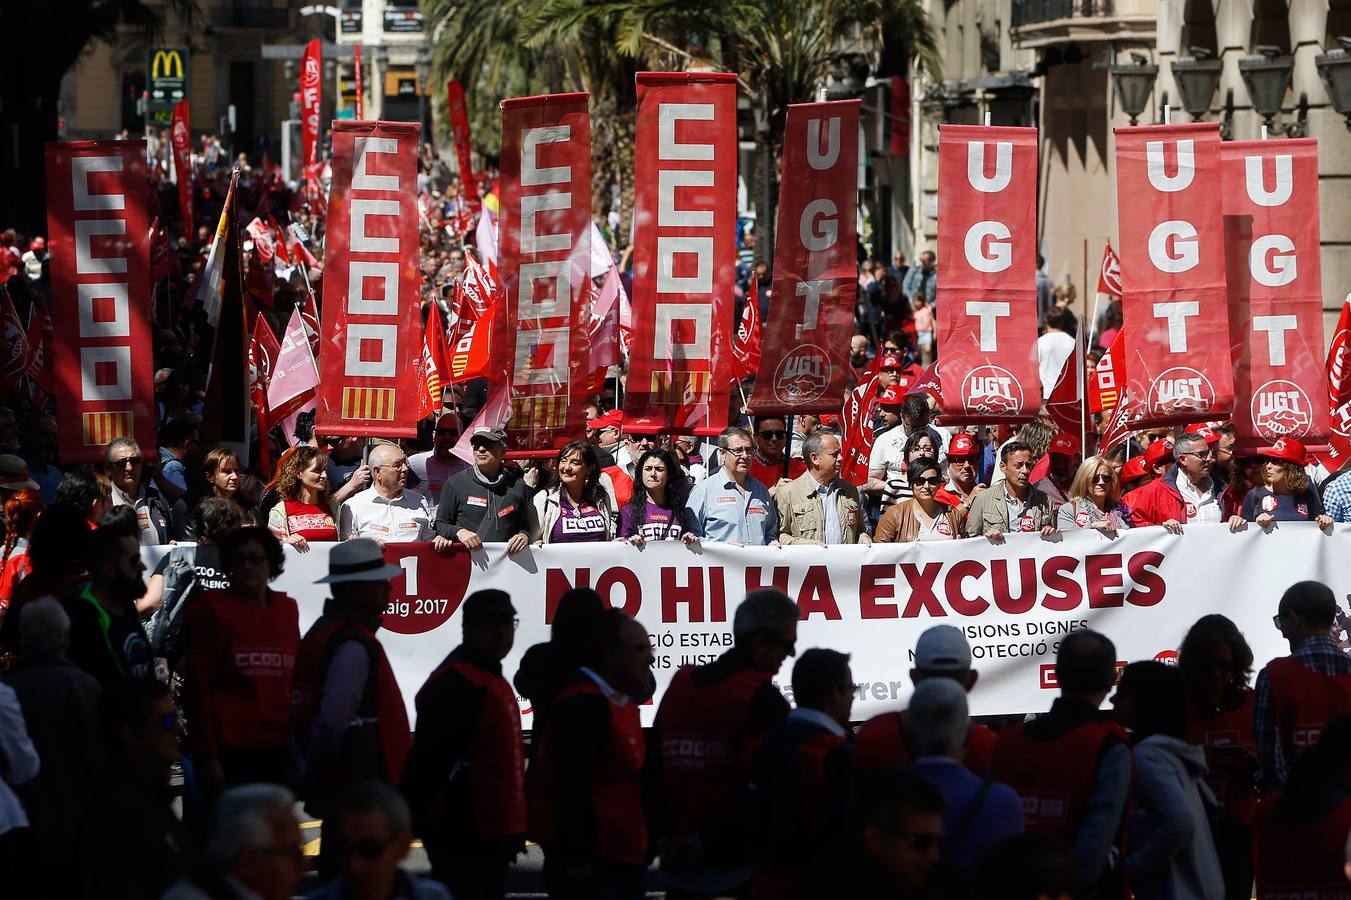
(777, 434)
(738, 451)
(1102, 479)
(126, 461)
(932, 481)
(401, 464)
(1204, 454)
(1276, 620)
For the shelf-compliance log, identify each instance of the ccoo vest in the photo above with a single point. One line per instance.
(616, 794)
(1054, 778)
(1301, 862)
(1231, 756)
(1303, 702)
(884, 741)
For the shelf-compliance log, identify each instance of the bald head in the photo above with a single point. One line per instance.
(389, 470)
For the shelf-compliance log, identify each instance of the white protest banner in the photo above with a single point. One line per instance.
(1015, 602)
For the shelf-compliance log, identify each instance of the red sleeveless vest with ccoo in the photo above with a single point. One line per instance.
(1054, 778)
(1303, 702)
(1301, 863)
(884, 741)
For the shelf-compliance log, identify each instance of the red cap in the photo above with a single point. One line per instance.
(1288, 449)
(612, 419)
(829, 419)
(1156, 453)
(1134, 470)
(892, 396)
(892, 362)
(1204, 430)
(962, 445)
(1065, 445)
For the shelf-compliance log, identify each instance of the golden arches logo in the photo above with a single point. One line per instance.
(166, 64)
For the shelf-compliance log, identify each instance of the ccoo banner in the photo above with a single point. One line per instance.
(1275, 291)
(372, 332)
(544, 252)
(100, 248)
(1172, 270)
(987, 297)
(804, 362)
(1015, 602)
(680, 364)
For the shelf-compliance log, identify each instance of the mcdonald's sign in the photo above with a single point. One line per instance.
(166, 76)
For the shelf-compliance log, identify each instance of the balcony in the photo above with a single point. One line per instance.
(1032, 12)
(1040, 23)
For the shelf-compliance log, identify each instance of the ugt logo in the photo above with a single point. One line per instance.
(991, 390)
(1181, 389)
(1281, 408)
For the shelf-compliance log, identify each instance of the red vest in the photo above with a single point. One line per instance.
(496, 757)
(382, 702)
(704, 735)
(1231, 756)
(1303, 702)
(616, 793)
(1054, 778)
(884, 741)
(1301, 863)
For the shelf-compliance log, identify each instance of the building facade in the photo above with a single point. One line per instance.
(394, 60)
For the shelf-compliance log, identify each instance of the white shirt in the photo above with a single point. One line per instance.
(829, 506)
(815, 717)
(1200, 507)
(618, 698)
(1053, 348)
(407, 517)
(888, 457)
(433, 474)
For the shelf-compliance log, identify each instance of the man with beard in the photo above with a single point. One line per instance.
(106, 636)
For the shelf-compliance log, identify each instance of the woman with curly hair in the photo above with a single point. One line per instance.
(305, 510)
(577, 509)
(1216, 663)
(657, 511)
(21, 514)
(1287, 496)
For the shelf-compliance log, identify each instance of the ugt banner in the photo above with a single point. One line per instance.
(1172, 272)
(804, 362)
(1015, 602)
(99, 237)
(311, 97)
(544, 255)
(684, 261)
(459, 129)
(1275, 291)
(987, 297)
(372, 332)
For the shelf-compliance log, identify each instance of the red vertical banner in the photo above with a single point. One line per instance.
(544, 223)
(459, 129)
(1172, 272)
(1275, 287)
(361, 97)
(311, 96)
(98, 233)
(987, 296)
(180, 135)
(680, 367)
(372, 334)
(804, 365)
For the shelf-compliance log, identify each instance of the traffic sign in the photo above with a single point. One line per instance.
(167, 76)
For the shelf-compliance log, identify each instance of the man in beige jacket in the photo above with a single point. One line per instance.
(820, 507)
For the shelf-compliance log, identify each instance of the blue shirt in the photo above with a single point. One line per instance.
(1336, 499)
(1000, 814)
(720, 511)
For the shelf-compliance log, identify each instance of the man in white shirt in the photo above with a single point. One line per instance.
(387, 512)
(434, 466)
(1054, 347)
(1190, 493)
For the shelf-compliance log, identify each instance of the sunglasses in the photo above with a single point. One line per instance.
(932, 481)
(1102, 479)
(773, 435)
(125, 461)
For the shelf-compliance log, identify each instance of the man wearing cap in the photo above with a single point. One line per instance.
(771, 441)
(884, 740)
(729, 505)
(1135, 474)
(604, 431)
(1190, 491)
(1066, 453)
(434, 467)
(348, 719)
(820, 507)
(963, 474)
(14, 475)
(388, 511)
(465, 776)
(487, 502)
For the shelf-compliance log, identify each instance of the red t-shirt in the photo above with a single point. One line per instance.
(769, 474)
(310, 521)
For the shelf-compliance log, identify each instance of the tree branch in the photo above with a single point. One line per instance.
(648, 36)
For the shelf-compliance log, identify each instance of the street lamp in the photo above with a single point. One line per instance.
(1334, 67)
(1134, 84)
(1267, 77)
(423, 66)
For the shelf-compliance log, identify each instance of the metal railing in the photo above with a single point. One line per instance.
(1034, 12)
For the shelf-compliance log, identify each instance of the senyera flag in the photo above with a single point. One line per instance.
(1172, 269)
(804, 367)
(1109, 274)
(98, 234)
(1339, 387)
(1275, 291)
(311, 97)
(180, 135)
(680, 363)
(459, 129)
(987, 214)
(371, 339)
(544, 222)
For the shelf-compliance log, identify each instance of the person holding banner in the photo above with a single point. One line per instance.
(487, 502)
(388, 511)
(1188, 493)
(304, 511)
(1287, 495)
(922, 517)
(963, 485)
(577, 509)
(1014, 504)
(820, 507)
(657, 512)
(1095, 500)
(729, 505)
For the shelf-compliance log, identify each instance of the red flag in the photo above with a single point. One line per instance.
(297, 236)
(1104, 388)
(1109, 273)
(987, 296)
(161, 256)
(472, 351)
(929, 382)
(295, 377)
(361, 99)
(1339, 385)
(278, 238)
(435, 362)
(603, 349)
(805, 367)
(749, 332)
(1173, 271)
(544, 223)
(264, 349)
(1275, 288)
(1065, 404)
(459, 129)
(18, 355)
(311, 96)
(1122, 419)
(261, 235)
(98, 229)
(371, 342)
(680, 368)
(857, 417)
(180, 135)
(309, 315)
(39, 342)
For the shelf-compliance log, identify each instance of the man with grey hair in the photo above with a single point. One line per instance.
(819, 507)
(979, 812)
(387, 511)
(60, 703)
(125, 468)
(1191, 492)
(254, 850)
(708, 716)
(729, 505)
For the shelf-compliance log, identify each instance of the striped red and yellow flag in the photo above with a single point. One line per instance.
(102, 427)
(370, 404)
(539, 412)
(681, 388)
